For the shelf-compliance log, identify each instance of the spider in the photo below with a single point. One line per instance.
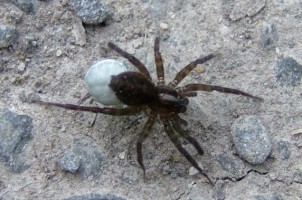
(166, 101)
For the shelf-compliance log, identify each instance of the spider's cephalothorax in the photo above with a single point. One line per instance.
(137, 92)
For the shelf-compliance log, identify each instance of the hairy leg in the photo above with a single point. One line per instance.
(104, 110)
(144, 134)
(210, 88)
(174, 137)
(183, 133)
(133, 60)
(159, 63)
(187, 69)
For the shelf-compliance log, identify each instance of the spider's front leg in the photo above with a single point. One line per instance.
(104, 110)
(209, 88)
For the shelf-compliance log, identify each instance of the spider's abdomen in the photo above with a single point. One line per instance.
(133, 89)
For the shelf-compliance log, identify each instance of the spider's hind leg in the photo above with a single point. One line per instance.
(103, 110)
(144, 134)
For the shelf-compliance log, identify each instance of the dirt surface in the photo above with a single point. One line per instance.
(53, 51)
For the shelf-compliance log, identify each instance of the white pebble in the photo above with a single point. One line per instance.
(164, 26)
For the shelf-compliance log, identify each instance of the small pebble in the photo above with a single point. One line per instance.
(69, 163)
(21, 66)
(84, 159)
(283, 149)
(7, 35)
(58, 53)
(288, 71)
(193, 171)
(199, 69)
(164, 26)
(251, 139)
(94, 12)
(122, 155)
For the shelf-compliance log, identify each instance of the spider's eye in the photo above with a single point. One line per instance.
(98, 78)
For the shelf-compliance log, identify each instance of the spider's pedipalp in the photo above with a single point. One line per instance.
(183, 133)
(133, 60)
(144, 134)
(187, 69)
(210, 88)
(159, 63)
(104, 110)
(174, 137)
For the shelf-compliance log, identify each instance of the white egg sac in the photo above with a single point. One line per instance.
(98, 78)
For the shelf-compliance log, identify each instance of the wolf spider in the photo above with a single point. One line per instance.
(137, 91)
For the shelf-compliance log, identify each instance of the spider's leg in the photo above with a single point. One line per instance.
(159, 63)
(133, 60)
(210, 88)
(104, 110)
(174, 137)
(183, 133)
(180, 120)
(144, 134)
(187, 69)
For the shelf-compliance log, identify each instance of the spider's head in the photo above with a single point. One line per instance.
(169, 97)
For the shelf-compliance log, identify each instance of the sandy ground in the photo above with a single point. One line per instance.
(54, 50)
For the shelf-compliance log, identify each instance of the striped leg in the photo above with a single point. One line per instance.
(187, 69)
(210, 88)
(174, 137)
(183, 133)
(133, 60)
(144, 134)
(104, 110)
(159, 63)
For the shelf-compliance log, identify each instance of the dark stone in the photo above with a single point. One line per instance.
(24, 5)
(283, 149)
(7, 35)
(15, 131)
(288, 71)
